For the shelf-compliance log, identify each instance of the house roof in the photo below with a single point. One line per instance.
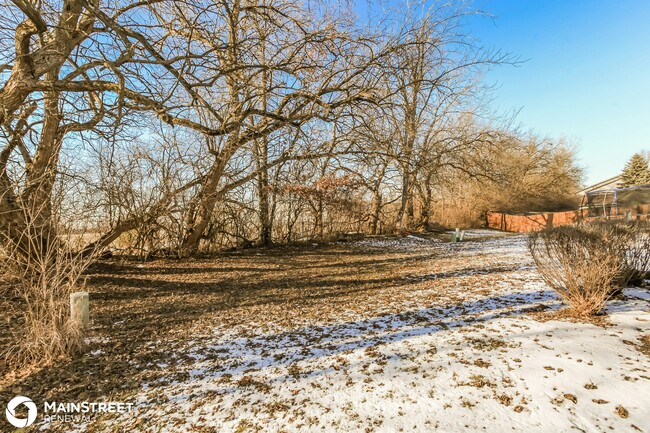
(607, 184)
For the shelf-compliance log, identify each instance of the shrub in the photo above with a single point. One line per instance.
(631, 241)
(42, 271)
(582, 264)
(637, 257)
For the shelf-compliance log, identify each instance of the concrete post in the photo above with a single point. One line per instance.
(79, 308)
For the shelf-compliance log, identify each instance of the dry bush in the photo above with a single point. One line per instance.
(631, 241)
(42, 271)
(638, 257)
(581, 264)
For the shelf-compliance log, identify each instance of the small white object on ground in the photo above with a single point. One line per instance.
(79, 308)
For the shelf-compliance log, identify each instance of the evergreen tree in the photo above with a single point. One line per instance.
(636, 171)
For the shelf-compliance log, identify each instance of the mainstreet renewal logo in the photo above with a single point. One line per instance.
(10, 412)
(66, 412)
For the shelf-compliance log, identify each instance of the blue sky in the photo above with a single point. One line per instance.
(587, 76)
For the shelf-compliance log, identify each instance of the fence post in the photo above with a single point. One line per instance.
(79, 308)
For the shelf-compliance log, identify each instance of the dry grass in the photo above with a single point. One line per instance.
(40, 272)
(621, 411)
(644, 347)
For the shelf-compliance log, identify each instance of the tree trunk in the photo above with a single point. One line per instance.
(376, 210)
(208, 195)
(320, 223)
(28, 220)
(266, 234)
(263, 156)
(425, 214)
(207, 201)
(405, 208)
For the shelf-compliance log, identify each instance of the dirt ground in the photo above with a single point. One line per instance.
(153, 322)
(134, 302)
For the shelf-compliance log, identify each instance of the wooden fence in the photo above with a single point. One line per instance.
(529, 223)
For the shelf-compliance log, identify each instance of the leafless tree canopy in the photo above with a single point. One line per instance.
(178, 127)
(193, 125)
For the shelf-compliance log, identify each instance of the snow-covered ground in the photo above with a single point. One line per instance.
(447, 358)
(394, 243)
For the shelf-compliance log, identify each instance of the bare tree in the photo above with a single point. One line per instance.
(429, 83)
(271, 66)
